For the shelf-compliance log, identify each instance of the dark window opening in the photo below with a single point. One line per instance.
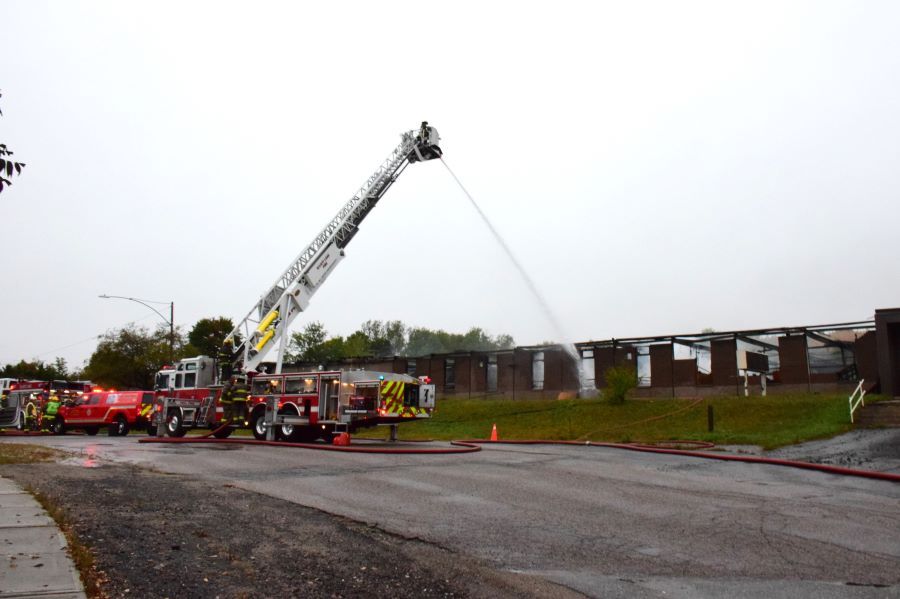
(449, 374)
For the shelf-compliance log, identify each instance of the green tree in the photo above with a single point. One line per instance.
(422, 341)
(332, 350)
(7, 165)
(395, 333)
(208, 334)
(357, 345)
(307, 345)
(128, 358)
(36, 370)
(385, 338)
(504, 341)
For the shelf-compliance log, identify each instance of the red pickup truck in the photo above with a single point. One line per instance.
(119, 411)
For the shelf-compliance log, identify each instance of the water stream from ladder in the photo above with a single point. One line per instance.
(566, 345)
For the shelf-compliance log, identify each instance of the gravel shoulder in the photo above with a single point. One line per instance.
(159, 535)
(868, 449)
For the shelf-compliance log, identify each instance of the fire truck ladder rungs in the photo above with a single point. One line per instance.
(268, 320)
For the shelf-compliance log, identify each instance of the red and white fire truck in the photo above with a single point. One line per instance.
(308, 405)
(305, 405)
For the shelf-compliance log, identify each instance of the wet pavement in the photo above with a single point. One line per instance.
(605, 522)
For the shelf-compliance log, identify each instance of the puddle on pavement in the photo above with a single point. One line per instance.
(87, 459)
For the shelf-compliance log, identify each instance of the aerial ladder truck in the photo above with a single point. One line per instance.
(266, 326)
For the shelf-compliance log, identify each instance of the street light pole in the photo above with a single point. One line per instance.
(146, 303)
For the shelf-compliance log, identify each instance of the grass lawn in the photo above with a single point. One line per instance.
(20, 453)
(767, 421)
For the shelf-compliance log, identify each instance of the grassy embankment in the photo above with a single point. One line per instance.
(766, 421)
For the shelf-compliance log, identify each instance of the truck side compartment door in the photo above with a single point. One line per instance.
(426, 396)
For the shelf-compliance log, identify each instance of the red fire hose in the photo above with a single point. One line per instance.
(708, 455)
(473, 445)
(459, 446)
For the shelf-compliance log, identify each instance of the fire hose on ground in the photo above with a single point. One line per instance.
(474, 445)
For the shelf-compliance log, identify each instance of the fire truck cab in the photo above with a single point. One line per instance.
(192, 394)
(190, 378)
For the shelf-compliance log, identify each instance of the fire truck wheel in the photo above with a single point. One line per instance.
(92, 430)
(259, 428)
(119, 428)
(58, 427)
(173, 424)
(287, 432)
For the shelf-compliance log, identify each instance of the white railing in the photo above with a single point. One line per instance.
(860, 394)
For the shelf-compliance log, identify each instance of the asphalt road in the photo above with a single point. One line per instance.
(605, 522)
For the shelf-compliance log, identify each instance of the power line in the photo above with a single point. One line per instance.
(91, 338)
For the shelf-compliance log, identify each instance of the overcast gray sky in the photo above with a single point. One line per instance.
(658, 167)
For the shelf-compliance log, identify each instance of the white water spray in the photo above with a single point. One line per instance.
(566, 345)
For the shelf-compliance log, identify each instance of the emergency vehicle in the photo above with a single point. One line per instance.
(24, 403)
(314, 404)
(309, 405)
(193, 394)
(118, 411)
(6, 384)
(318, 404)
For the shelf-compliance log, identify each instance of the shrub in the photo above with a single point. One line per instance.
(619, 381)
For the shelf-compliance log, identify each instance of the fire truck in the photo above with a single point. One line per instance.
(23, 405)
(304, 406)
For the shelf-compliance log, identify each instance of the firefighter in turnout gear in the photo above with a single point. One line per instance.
(227, 400)
(224, 358)
(50, 410)
(240, 394)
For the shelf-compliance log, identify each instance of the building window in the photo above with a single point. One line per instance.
(449, 374)
(587, 367)
(492, 374)
(411, 367)
(642, 361)
(537, 371)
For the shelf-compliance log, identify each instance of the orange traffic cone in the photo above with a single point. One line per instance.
(494, 432)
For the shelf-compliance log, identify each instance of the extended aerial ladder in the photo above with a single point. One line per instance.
(268, 322)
